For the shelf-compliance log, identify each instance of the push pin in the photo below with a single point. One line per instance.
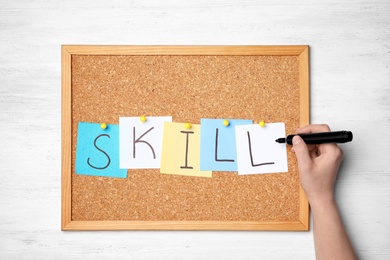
(143, 119)
(261, 124)
(187, 125)
(226, 122)
(103, 126)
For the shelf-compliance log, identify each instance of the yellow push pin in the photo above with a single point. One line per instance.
(226, 122)
(187, 125)
(142, 119)
(103, 126)
(261, 124)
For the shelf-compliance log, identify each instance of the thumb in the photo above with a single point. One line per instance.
(301, 151)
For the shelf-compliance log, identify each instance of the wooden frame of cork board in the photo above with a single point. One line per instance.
(103, 83)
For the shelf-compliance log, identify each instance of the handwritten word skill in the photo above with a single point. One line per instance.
(179, 148)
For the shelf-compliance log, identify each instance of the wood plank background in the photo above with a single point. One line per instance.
(350, 89)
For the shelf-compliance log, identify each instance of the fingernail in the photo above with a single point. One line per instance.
(296, 140)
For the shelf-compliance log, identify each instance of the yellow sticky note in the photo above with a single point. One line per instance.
(181, 150)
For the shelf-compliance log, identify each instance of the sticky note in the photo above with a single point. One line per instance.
(181, 150)
(218, 144)
(140, 143)
(257, 151)
(97, 150)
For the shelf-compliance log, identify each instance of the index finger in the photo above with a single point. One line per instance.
(313, 129)
(317, 128)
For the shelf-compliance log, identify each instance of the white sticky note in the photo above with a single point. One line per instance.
(140, 143)
(257, 151)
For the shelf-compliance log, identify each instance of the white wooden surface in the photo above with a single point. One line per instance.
(350, 89)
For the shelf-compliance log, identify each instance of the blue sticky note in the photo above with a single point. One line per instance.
(218, 144)
(97, 151)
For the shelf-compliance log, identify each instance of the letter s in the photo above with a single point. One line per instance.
(108, 157)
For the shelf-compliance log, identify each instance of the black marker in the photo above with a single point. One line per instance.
(320, 138)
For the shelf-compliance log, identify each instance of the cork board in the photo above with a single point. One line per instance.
(103, 83)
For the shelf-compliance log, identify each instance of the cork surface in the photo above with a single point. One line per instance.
(188, 88)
